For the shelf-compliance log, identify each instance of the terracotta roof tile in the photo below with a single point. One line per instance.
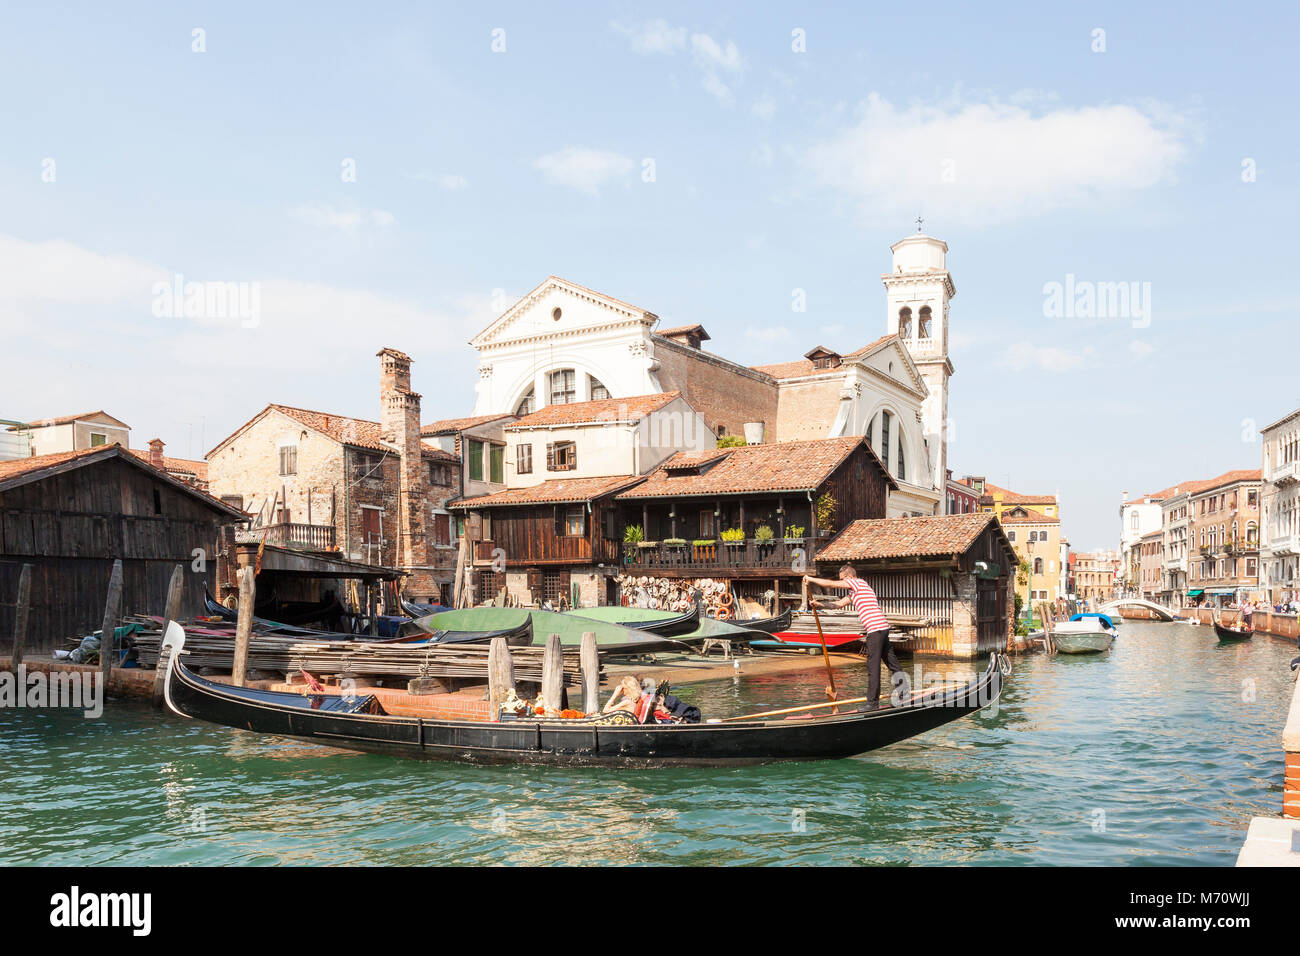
(1015, 498)
(199, 469)
(804, 366)
(682, 329)
(1030, 516)
(64, 420)
(20, 466)
(929, 536)
(555, 491)
(783, 466)
(358, 432)
(448, 426)
(604, 410)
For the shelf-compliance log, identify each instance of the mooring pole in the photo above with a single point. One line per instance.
(243, 624)
(20, 615)
(553, 672)
(112, 611)
(590, 673)
(171, 612)
(501, 673)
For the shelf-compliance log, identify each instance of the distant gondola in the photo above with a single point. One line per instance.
(1228, 634)
(362, 724)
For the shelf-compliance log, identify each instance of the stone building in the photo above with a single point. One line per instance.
(372, 492)
(1224, 536)
(1036, 536)
(1280, 515)
(1150, 564)
(1137, 518)
(954, 571)
(564, 343)
(48, 436)
(1095, 576)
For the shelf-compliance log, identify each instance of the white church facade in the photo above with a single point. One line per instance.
(564, 343)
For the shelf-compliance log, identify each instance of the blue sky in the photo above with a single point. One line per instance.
(127, 157)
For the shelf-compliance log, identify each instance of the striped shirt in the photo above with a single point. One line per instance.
(868, 608)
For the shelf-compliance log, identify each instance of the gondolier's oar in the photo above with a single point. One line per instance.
(826, 656)
(851, 700)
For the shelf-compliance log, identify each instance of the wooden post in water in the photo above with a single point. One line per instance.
(553, 672)
(20, 615)
(590, 673)
(243, 624)
(112, 611)
(171, 612)
(501, 671)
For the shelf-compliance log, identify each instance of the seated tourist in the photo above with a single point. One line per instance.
(626, 697)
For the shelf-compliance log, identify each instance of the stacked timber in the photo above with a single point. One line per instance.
(289, 655)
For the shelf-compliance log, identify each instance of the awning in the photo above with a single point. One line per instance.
(1223, 592)
(1197, 593)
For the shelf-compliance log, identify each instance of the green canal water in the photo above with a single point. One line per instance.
(1157, 753)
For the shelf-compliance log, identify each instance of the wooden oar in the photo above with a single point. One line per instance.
(826, 656)
(851, 700)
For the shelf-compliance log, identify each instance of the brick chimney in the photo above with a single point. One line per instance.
(156, 452)
(400, 429)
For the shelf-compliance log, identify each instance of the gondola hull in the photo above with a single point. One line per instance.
(1227, 634)
(569, 743)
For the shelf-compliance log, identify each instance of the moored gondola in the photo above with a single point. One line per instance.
(664, 623)
(362, 724)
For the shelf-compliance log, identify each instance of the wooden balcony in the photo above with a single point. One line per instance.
(300, 537)
(749, 557)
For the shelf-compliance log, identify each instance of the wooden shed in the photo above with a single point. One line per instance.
(71, 514)
(953, 571)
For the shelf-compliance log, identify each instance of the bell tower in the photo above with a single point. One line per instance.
(917, 293)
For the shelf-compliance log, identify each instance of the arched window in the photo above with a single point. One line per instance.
(598, 391)
(925, 322)
(527, 404)
(901, 473)
(563, 386)
(884, 438)
(905, 322)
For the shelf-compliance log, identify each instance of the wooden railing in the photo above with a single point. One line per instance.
(301, 537)
(777, 555)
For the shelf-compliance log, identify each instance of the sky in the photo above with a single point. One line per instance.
(371, 175)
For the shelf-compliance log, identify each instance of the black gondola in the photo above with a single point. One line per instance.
(684, 623)
(414, 609)
(361, 724)
(1229, 634)
(768, 625)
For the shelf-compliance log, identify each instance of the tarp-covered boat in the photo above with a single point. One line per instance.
(610, 638)
(361, 724)
(668, 623)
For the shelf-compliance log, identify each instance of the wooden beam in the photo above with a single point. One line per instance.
(112, 612)
(243, 624)
(501, 672)
(553, 672)
(590, 674)
(20, 615)
(171, 612)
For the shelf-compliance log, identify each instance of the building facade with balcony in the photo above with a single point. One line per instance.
(1176, 543)
(1036, 537)
(368, 491)
(1224, 533)
(1279, 575)
(1096, 576)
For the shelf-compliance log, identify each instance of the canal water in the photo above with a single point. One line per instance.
(1159, 752)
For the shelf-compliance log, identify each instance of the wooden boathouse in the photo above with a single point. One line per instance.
(71, 514)
(953, 571)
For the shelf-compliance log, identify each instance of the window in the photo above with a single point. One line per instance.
(475, 453)
(1011, 536)
(527, 404)
(441, 528)
(561, 456)
(884, 438)
(439, 474)
(524, 460)
(571, 521)
(288, 459)
(598, 391)
(901, 474)
(925, 322)
(563, 387)
(497, 463)
(1038, 565)
(706, 524)
(97, 439)
(905, 322)
(366, 465)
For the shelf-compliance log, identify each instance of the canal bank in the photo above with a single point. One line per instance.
(1151, 754)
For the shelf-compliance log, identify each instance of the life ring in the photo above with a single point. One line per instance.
(725, 599)
(722, 614)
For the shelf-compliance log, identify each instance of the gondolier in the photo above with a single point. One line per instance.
(875, 628)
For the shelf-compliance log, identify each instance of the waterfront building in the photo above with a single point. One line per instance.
(1137, 518)
(1150, 564)
(1096, 576)
(71, 514)
(1063, 584)
(371, 492)
(1176, 544)
(1280, 514)
(964, 495)
(1036, 536)
(1224, 536)
(564, 343)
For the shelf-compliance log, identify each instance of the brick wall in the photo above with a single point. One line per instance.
(723, 393)
(808, 409)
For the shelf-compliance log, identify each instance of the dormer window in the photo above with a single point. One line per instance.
(823, 358)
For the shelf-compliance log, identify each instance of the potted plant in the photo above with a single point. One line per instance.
(826, 505)
(764, 535)
(674, 542)
(733, 537)
(794, 534)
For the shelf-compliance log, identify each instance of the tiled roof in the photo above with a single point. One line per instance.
(1015, 498)
(1030, 516)
(804, 366)
(783, 466)
(681, 329)
(555, 491)
(358, 432)
(64, 420)
(1231, 477)
(929, 536)
(449, 426)
(199, 469)
(24, 467)
(602, 410)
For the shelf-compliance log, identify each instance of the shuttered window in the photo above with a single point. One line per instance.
(289, 459)
(561, 456)
(497, 463)
(524, 460)
(475, 454)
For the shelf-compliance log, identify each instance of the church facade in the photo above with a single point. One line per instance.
(564, 343)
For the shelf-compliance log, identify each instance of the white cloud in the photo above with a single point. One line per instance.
(1025, 355)
(60, 272)
(324, 215)
(653, 36)
(995, 161)
(586, 170)
(764, 107)
(452, 182)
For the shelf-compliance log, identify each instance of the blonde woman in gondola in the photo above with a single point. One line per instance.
(627, 698)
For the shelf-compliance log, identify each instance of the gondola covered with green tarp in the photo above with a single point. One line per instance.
(610, 638)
